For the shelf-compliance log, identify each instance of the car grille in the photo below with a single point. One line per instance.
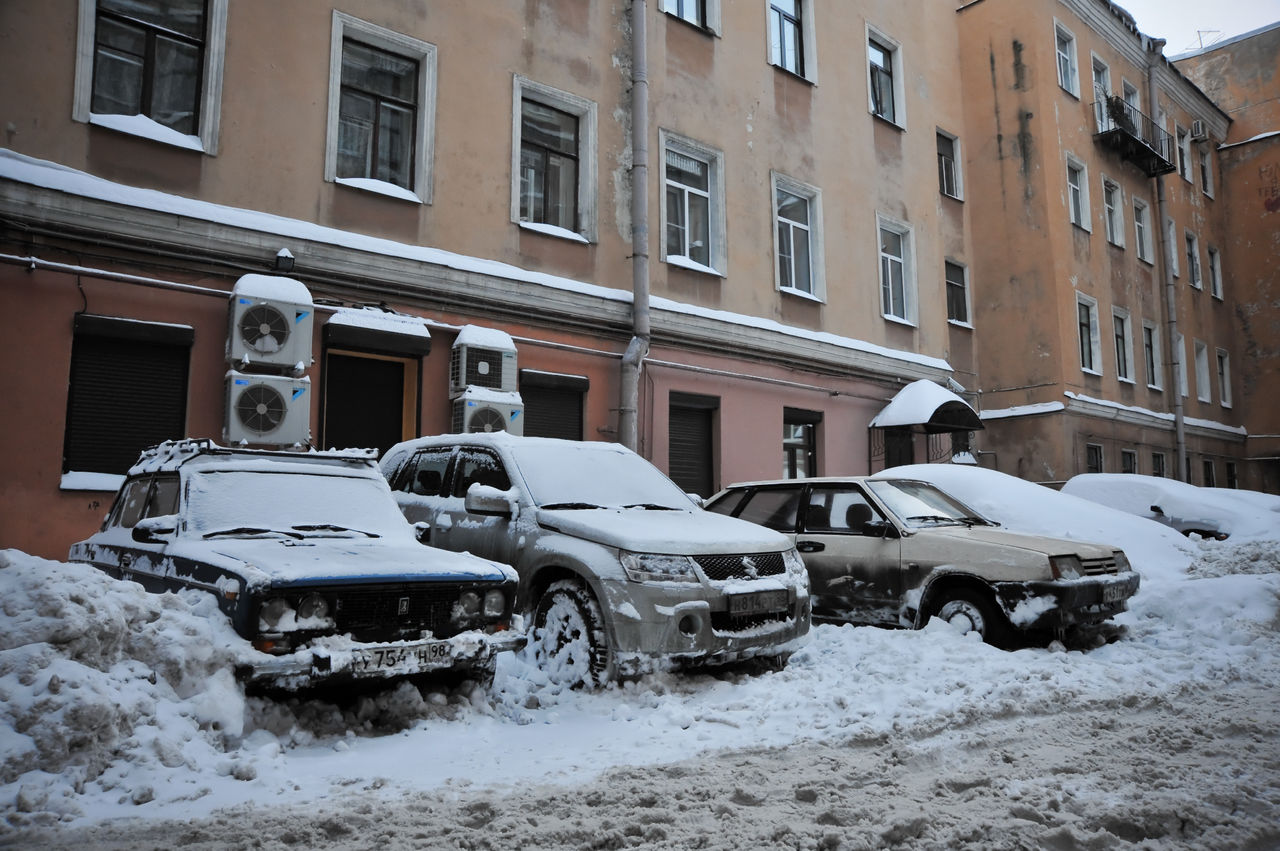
(1098, 566)
(749, 566)
(390, 612)
(725, 622)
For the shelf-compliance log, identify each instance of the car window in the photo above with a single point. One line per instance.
(727, 503)
(425, 476)
(841, 509)
(133, 499)
(164, 497)
(775, 508)
(477, 466)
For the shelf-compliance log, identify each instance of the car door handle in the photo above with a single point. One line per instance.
(126, 559)
(810, 547)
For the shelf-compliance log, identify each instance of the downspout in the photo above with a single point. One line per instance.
(633, 360)
(1155, 52)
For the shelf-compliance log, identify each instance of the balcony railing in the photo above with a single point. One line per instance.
(1123, 128)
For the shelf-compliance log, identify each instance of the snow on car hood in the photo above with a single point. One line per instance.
(1020, 540)
(672, 532)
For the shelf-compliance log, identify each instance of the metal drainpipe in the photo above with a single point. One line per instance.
(1155, 52)
(633, 360)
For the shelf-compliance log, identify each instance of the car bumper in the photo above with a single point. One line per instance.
(1056, 605)
(370, 662)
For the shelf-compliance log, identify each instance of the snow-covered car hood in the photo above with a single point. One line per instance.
(319, 559)
(1018, 540)
(692, 532)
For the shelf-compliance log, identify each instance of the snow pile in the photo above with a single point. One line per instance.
(1241, 513)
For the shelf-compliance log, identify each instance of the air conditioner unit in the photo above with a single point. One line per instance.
(1199, 131)
(480, 409)
(482, 357)
(273, 410)
(270, 321)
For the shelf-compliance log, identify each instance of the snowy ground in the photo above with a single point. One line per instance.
(119, 729)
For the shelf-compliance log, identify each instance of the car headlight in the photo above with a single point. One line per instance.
(272, 612)
(495, 603)
(1065, 567)
(794, 564)
(1122, 562)
(313, 606)
(658, 567)
(469, 602)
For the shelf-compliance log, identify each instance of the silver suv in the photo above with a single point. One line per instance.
(618, 567)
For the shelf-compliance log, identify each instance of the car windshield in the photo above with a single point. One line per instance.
(298, 505)
(920, 504)
(595, 475)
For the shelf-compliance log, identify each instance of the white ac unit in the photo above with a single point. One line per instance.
(480, 409)
(482, 357)
(273, 410)
(1199, 130)
(270, 322)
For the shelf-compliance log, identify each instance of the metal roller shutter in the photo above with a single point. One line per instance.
(691, 449)
(552, 412)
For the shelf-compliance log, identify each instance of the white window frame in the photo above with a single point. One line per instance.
(1100, 93)
(1182, 139)
(1204, 392)
(1195, 276)
(345, 26)
(1113, 214)
(1120, 319)
(957, 171)
(1224, 378)
(1205, 160)
(1071, 85)
(710, 8)
(585, 110)
(1095, 343)
(215, 49)
(716, 226)
(1129, 455)
(1082, 189)
(896, 67)
(1142, 230)
(1215, 272)
(817, 274)
(1126, 88)
(808, 41)
(1155, 369)
(968, 302)
(1170, 232)
(1180, 365)
(909, 295)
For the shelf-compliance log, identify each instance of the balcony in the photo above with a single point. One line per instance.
(1138, 139)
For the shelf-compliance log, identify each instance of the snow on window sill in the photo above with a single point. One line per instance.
(889, 317)
(693, 265)
(1092, 372)
(800, 294)
(554, 230)
(1126, 380)
(380, 187)
(959, 324)
(91, 482)
(147, 128)
(1156, 387)
(1147, 260)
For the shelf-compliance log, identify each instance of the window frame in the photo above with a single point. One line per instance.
(1200, 354)
(1122, 334)
(1081, 194)
(1191, 244)
(1180, 366)
(1210, 472)
(1153, 358)
(957, 173)
(1113, 213)
(1171, 231)
(709, 9)
(807, 445)
(1090, 451)
(1158, 468)
(1092, 365)
(1205, 160)
(910, 297)
(963, 286)
(1182, 139)
(896, 71)
(717, 229)
(1062, 33)
(586, 111)
(210, 93)
(1142, 231)
(817, 274)
(1223, 359)
(806, 65)
(1129, 461)
(1215, 272)
(1100, 93)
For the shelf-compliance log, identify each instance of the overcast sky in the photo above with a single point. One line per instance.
(1177, 21)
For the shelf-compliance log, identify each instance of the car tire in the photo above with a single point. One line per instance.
(971, 611)
(569, 641)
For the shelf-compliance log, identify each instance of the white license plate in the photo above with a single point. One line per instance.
(410, 657)
(1113, 593)
(757, 603)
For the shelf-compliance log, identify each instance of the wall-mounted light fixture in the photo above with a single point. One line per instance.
(284, 260)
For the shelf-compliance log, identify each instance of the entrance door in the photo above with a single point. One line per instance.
(368, 400)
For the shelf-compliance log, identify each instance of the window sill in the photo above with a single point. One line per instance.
(702, 28)
(895, 125)
(1218, 297)
(554, 230)
(1092, 372)
(1081, 227)
(898, 320)
(959, 324)
(146, 128)
(91, 482)
(692, 265)
(1114, 244)
(957, 198)
(1123, 380)
(379, 187)
(1226, 405)
(1074, 94)
(793, 75)
(1147, 260)
(792, 291)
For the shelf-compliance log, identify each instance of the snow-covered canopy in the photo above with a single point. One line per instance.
(935, 408)
(379, 329)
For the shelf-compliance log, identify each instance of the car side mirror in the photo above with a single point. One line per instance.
(1157, 510)
(879, 529)
(155, 530)
(422, 531)
(489, 501)
(697, 499)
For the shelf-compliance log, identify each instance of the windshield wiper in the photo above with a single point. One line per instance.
(977, 521)
(250, 530)
(331, 527)
(651, 506)
(937, 518)
(572, 506)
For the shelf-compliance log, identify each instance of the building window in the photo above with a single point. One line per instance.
(1203, 391)
(1180, 364)
(897, 271)
(1224, 378)
(948, 165)
(1215, 272)
(1206, 172)
(1151, 354)
(957, 292)
(1087, 333)
(554, 161)
(1093, 458)
(381, 119)
(1111, 212)
(1124, 345)
(693, 11)
(1170, 235)
(1077, 194)
(693, 216)
(1128, 461)
(1190, 481)
(162, 61)
(786, 35)
(1067, 77)
(1131, 97)
(1210, 474)
(884, 65)
(1142, 230)
(1233, 477)
(1193, 260)
(1157, 464)
(1184, 151)
(799, 443)
(797, 225)
(1101, 91)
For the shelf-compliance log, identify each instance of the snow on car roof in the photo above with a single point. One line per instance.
(173, 454)
(1229, 510)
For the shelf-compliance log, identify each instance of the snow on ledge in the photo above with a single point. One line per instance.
(377, 319)
(553, 230)
(1021, 410)
(694, 265)
(380, 187)
(91, 482)
(147, 128)
(1159, 415)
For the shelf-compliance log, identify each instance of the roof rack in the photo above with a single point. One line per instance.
(176, 452)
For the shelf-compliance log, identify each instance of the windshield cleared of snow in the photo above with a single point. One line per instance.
(594, 475)
(919, 504)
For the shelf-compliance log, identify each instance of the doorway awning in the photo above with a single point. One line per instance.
(379, 330)
(930, 407)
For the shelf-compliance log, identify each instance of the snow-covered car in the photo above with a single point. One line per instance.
(896, 552)
(618, 567)
(310, 559)
(1189, 509)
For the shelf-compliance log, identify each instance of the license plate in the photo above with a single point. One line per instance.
(757, 603)
(409, 657)
(1113, 593)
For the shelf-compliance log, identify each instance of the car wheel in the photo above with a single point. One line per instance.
(569, 641)
(971, 611)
